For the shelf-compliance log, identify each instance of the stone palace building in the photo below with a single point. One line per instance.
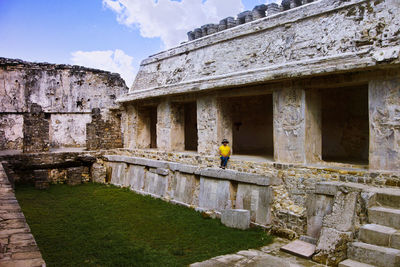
(307, 93)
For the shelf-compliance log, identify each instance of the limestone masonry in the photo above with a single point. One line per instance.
(307, 93)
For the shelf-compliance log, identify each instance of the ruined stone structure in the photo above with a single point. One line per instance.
(308, 93)
(53, 103)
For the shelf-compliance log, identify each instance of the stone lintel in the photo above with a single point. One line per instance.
(304, 68)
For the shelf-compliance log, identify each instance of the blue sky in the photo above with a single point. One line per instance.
(110, 34)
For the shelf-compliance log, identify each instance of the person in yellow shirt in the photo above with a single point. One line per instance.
(224, 153)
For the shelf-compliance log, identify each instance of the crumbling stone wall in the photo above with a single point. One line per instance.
(101, 134)
(36, 130)
(67, 94)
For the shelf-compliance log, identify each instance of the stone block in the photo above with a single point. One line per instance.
(395, 241)
(184, 187)
(98, 172)
(376, 234)
(352, 263)
(318, 206)
(135, 175)
(327, 188)
(236, 218)
(256, 199)
(332, 246)
(299, 248)
(343, 212)
(384, 216)
(162, 171)
(375, 255)
(214, 194)
(137, 161)
(74, 175)
(190, 169)
(118, 173)
(390, 199)
(240, 176)
(155, 184)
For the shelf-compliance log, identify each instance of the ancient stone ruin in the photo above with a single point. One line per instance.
(308, 93)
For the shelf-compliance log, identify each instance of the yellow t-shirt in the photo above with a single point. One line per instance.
(224, 150)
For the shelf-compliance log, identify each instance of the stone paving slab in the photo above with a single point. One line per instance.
(18, 247)
(268, 256)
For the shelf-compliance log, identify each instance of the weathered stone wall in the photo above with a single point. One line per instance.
(11, 132)
(190, 185)
(45, 168)
(36, 130)
(304, 41)
(67, 94)
(101, 134)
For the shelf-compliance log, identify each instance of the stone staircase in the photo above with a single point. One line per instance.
(379, 241)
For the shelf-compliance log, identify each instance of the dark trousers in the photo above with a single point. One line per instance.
(224, 161)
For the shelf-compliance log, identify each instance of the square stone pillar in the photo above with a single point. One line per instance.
(384, 119)
(214, 123)
(129, 126)
(207, 124)
(170, 126)
(289, 125)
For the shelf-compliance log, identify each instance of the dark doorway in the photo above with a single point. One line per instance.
(252, 119)
(153, 127)
(191, 139)
(345, 124)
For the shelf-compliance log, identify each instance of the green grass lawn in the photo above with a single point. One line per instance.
(98, 225)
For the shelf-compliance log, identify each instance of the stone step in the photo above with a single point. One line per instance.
(388, 199)
(376, 234)
(384, 216)
(352, 263)
(375, 255)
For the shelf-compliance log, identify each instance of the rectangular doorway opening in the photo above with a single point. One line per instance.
(345, 125)
(147, 127)
(191, 139)
(153, 127)
(252, 125)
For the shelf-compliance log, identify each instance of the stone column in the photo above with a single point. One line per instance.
(384, 119)
(289, 125)
(129, 126)
(177, 127)
(170, 126)
(214, 123)
(207, 124)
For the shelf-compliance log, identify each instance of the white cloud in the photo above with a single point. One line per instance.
(114, 61)
(171, 20)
